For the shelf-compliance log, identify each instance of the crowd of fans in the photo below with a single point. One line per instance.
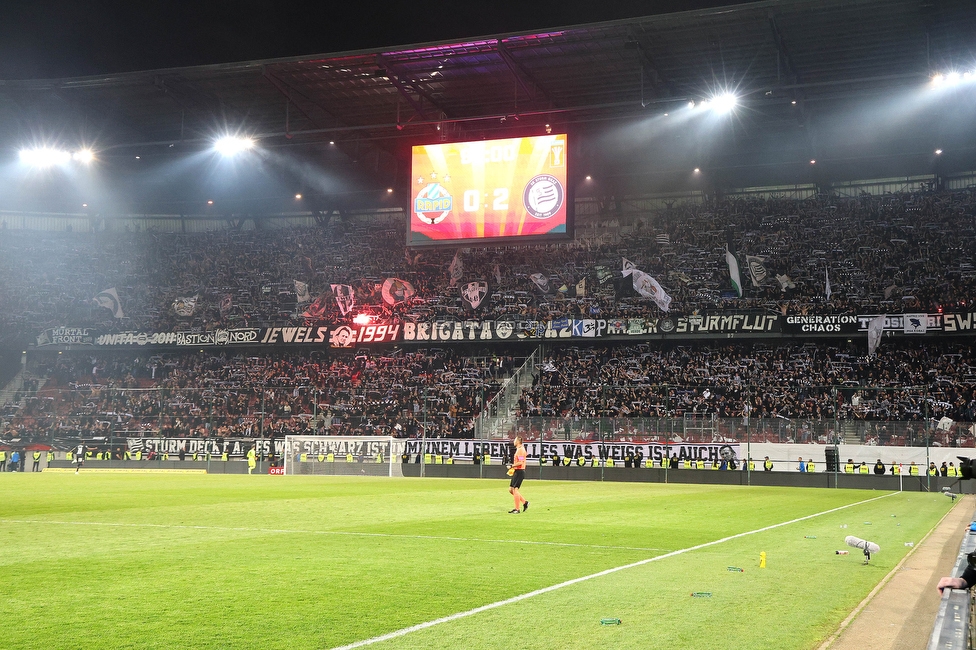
(907, 380)
(912, 391)
(403, 393)
(893, 253)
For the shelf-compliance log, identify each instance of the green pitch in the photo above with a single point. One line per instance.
(166, 561)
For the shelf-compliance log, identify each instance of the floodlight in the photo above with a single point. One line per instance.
(298, 197)
(938, 152)
(724, 103)
(231, 145)
(83, 155)
(953, 77)
(691, 104)
(389, 190)
(938, 78)
(697, 170)
(44, 157)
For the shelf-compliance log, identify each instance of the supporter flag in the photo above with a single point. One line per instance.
(226, 303)
(757, 271)
(603, 274)
(541, 281)
(184, 306)
(345, 297)
(827, 282)
(663, 238)
(733, 272)
(890, 290)
(456, 269)
(396, 291)
(316, 311)
(581, 288)
(648, 287)
(875, 330)
(411, 259)
(628, 267)
(785, 282)
(109, 299)
(301, 292)
(945, 423)
(563, 288)
(498, 275)
(474, 294)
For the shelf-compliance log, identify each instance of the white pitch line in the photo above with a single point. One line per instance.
(538, 592)
(329, 532)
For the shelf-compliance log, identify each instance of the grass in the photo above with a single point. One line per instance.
(225, 561)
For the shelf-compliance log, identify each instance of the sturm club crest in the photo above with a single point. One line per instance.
(543, 196)
(433, 204)
(473, 293)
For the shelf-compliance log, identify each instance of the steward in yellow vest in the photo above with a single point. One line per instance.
(913, 469)
(609, 462)
(700, 464)
(767, 465)
(849, 467)
(810, 466)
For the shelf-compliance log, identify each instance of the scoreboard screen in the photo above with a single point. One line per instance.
(489, 192)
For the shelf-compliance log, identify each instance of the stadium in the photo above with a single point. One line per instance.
(273, 330)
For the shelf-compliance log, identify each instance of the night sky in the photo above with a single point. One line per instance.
(68, 38)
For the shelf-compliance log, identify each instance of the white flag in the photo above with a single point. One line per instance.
(756, 270)
(827, 282)
(301, 292)
(109, 299)
(541, 281)
(785, 282)
(628, 267)
(875, 330)
(456, 269)
(185, 305)
(734, 272)
(648, 287)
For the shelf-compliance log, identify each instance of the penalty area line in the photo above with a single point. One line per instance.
(338, 533)
(568, 583)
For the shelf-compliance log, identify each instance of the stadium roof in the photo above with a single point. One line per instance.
(799, 66)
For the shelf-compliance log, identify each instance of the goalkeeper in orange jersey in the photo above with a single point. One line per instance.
(517, 472)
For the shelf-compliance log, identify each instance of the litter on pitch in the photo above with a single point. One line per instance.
(736, 569)
(809, 537)
(842, 552)
(609, 621)
(910, 544)
(701, 594)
